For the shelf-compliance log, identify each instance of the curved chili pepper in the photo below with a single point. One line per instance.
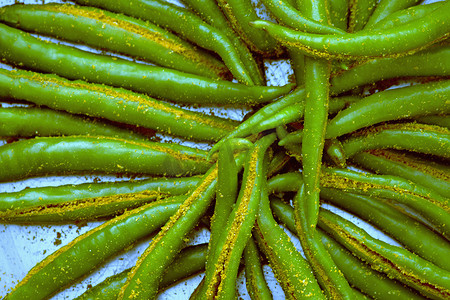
(426, 202)
(362, 276)
(144, 278)
(42, 156)
(226, 195)
(119, 33)
(438, 120)
(403, 40)
(434, 61)
(292, 271)
(355, 271)
(420, 138)
(385, 8)
(191, 260)
(423, 172)
(327, 273)
(403, 228)
(296, 137)
(417, 237)
(293, 150)
(429, 204)
(396, 262)
(192, 28)
(33, 121)
(222, 268)
(87, 251)
(423, 99)
(407, 15)
(115, 104)
(283, 111)
(252, 124)
(317, 74)
(240, 13)
(306, 203)
(87, 201)
(286, 13)
(20, 48)
(254, 276)
(210, 12)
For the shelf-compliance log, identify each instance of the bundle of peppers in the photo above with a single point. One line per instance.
(337, 135)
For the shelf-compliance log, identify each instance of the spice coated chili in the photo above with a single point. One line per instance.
(362, 129)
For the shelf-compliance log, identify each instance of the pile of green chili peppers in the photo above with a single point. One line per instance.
(364, 126)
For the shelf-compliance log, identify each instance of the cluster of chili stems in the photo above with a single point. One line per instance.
(338, 135)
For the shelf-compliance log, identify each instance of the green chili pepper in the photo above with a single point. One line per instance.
(114, 104)
(119, 33)
(223, 265)
(144, 279)
(286, 13)
(254, 277)
(339, 10)
(42, 156)
(292, 271)
(415, 137)
(306, 203)
(362, 276)
(428, 203)
(335, 153)
(406, 15)
(438, 120)
(292, 150)
(403, 228)
(252, 124)
(279, 160)
(283, 111)
(355, 271)
(327, 273)
(33, 121)
(317, 74)
(423, 99)
(19, 48)
(423, 172)
(285, 182)
(296, 137)
(385, 8)
(359, 13)
(226, 193)
(396, 262)
(417, 237)
(87, 251)
(192, 28)
(87, 201)
(191, 260)
(434, 61)
(403, 40)
(210, 12)
(240, 13)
